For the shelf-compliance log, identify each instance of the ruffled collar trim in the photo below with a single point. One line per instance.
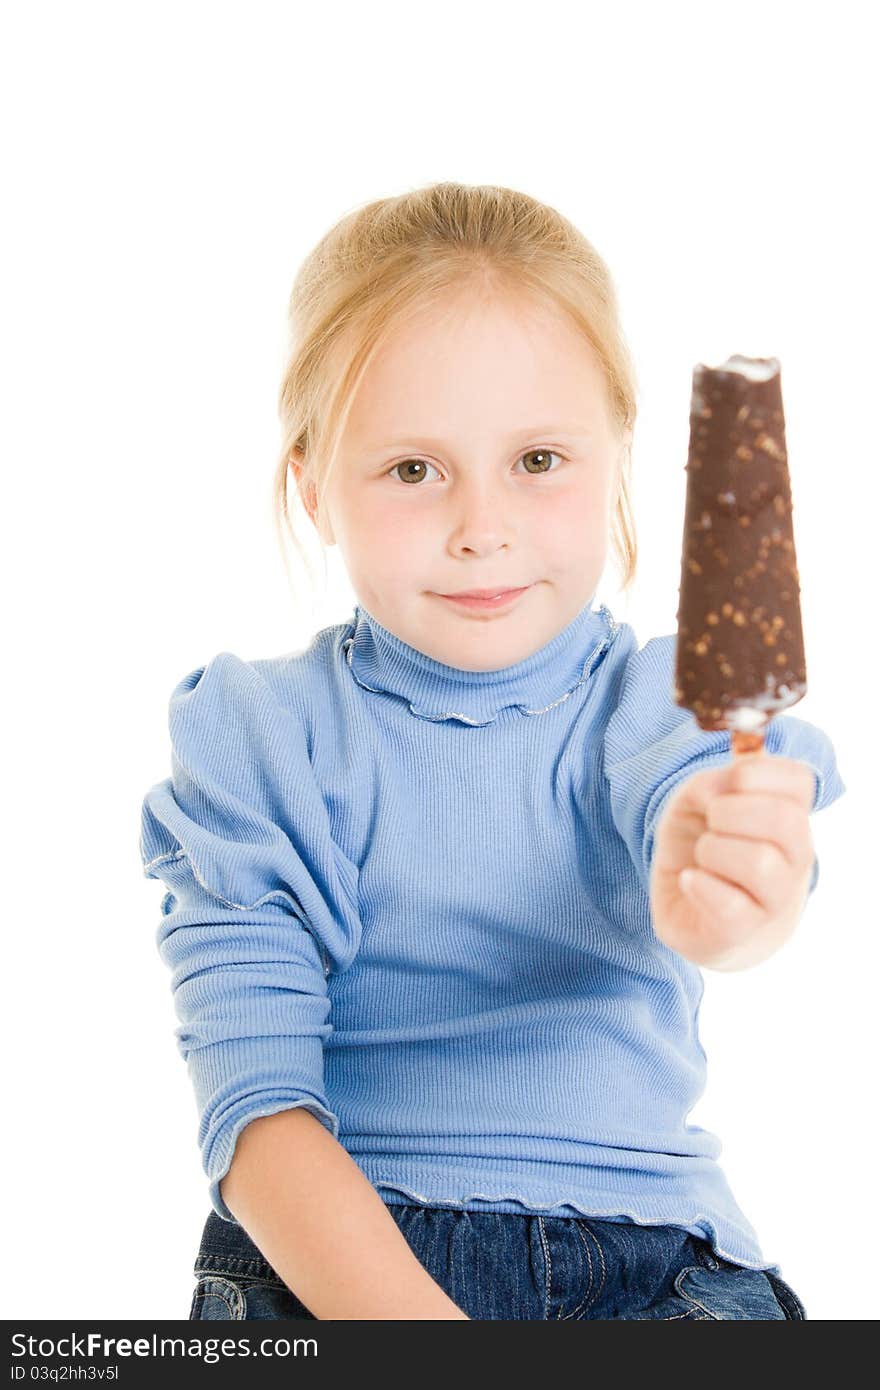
(383, 663)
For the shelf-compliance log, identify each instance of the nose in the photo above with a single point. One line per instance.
(481, 516)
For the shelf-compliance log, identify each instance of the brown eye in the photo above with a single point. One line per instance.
(415, 470)
(543, 456)
(411, 464)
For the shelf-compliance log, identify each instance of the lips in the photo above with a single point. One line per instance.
(480, 593)
(485, 599)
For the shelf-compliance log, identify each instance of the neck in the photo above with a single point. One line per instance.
(383, 663)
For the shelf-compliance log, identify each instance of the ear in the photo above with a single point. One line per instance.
(307, 491)
(295, 462)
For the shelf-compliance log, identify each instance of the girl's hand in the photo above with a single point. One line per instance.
(733, 858)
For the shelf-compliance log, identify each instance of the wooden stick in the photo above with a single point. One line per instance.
(747, 742)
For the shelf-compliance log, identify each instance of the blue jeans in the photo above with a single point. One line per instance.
(498, 1265)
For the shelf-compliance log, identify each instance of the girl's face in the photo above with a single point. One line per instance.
(479, 453)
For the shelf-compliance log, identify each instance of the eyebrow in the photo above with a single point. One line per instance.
(574, 432)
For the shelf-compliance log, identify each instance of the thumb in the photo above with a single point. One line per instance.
(710, 893)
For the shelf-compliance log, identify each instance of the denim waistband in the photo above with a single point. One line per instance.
(226, 1247)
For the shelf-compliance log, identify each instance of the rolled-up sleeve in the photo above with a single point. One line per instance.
(260, 905)
(651, 745)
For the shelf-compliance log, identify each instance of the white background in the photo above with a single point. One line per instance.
(166, 169)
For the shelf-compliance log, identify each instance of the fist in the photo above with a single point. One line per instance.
(733, 858)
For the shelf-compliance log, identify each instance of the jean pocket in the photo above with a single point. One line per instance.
(730, 1292)
(234, 1296)
(791, 1304)
(216, 1298)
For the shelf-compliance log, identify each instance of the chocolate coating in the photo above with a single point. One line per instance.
(740, 650)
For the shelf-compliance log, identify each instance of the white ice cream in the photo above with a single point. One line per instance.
(751, 367)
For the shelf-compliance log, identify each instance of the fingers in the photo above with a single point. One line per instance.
(756, 868)
(778, 821)
(775, 776)
(753, 774)
(723, 901)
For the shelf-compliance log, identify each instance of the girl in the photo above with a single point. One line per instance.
(437, 967)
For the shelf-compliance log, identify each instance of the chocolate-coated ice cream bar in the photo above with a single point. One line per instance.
(740, 651)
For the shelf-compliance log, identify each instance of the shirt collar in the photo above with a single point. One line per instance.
(383, 663)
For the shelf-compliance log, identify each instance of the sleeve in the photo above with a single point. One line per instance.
(651, 744)
(260, 901)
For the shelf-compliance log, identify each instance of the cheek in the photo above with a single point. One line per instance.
(580, 515)
(383, 542)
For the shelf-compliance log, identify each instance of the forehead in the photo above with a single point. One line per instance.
(481, 362)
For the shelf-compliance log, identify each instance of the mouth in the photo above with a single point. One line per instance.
(485, 598)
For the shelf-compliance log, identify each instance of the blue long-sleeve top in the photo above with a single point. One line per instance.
(414, 899)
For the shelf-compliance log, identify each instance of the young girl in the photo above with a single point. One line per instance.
(437, 967)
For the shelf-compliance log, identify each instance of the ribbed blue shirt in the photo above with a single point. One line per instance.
(414, 899)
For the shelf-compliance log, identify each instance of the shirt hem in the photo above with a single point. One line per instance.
(704, 1223)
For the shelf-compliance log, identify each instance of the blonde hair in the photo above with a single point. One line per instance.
(390, 258)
